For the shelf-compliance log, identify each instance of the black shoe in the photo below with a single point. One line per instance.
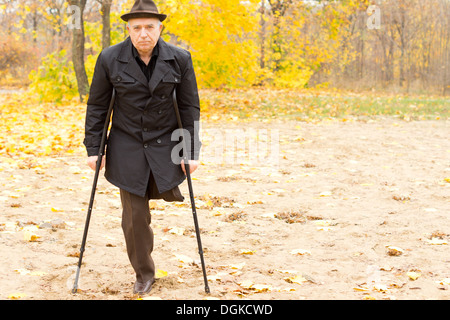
(143, 288)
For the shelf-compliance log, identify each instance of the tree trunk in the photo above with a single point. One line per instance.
(263, 35)
(78, 50)
(106, 22)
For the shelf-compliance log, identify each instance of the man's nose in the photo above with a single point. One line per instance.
(144, 34)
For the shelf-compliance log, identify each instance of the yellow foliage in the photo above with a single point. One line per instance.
(221, 38)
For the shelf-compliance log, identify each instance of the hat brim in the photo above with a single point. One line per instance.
(143, 14)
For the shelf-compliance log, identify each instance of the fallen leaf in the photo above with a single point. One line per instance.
(268, 215)
(287, 271)
(445, 282)
(436, 241)
(262, 287)
(361, 288)
(246, 251)
(184, 259)
(176, 230)
(17, 296)
(289, 289)
(300, 252)
(236, 266)
(297, 279)
(246, 284)
(413, 275)
(394, 251)
(29, 236)
(380, 287)
(161, 274)
(323, 223)
(28, 272)
(401, 198)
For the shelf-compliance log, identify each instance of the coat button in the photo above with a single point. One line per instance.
(159, 141)
(118, 79)
(163, 96)
(160, 112)
(145, 146)
(145, 129)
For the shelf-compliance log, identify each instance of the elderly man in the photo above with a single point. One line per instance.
(143, 70)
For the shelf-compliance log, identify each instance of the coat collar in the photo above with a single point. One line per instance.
(132, 68)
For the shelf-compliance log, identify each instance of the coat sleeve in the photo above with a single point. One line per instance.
(97, 107)
(189, 105)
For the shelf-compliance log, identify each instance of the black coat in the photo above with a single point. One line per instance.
(144, 119)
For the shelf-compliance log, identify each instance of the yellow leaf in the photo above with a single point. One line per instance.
(300, 252)
(445, 281)
(413, 275)
(246, 251)
(30, 236)
(161, 274)
(57, 210)
(246, 284)
(176, 230)
(289, 289)
(297, 279)
(237, 266)
(322, 223)
(436, 241)
(16, 296)
(361, 289)
(380, 287)
(261, 287)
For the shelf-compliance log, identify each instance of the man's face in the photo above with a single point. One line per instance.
(144, 33)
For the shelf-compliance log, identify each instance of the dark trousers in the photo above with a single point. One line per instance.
(138, 234)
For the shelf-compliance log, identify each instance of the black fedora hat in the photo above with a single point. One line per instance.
(143, 9)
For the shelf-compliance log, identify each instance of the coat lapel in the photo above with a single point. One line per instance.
(162, 67)
(132, 68)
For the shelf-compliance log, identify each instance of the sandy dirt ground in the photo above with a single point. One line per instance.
(330, 210)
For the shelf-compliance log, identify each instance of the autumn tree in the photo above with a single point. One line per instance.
(105, 11)
(78, 46)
